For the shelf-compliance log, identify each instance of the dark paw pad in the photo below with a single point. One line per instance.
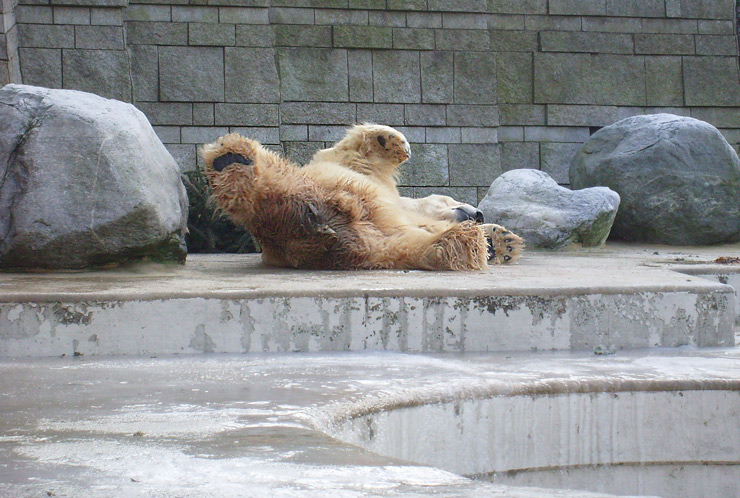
(491, 249)
(221, 162)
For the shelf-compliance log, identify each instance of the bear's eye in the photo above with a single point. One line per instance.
(381, 141)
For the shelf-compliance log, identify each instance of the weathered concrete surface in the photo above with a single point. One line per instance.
(253, 425)
(611, 298)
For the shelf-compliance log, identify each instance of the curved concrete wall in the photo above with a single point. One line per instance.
(478, 86)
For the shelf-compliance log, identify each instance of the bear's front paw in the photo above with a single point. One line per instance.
(503, 246)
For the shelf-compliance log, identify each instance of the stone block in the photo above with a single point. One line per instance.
(459, 20)
(716, 45)
(407, 4)
(34, 14)
(479, 135)
(150, 13)
(313, 74)
(506, 21)
(514, 77)
(326, 133)
(396, 76)
(462, 39)
(519, 155)
(612, 24)
(211, 34)
(360, 71)
(510, 134)
(387, 114)
(475, 78)
(159, 113)
(145, 72)
(716, 28)
(586, 41)
(106, 17)
(340, 17)
(711, 81)
(156, 33)
(102, 72)
(437, 85)
(194, 14)
(201, 134)
(443, 135)
(301, 152)
(458, 6)
(184, 155)
(721, 117)
(552, 23)
(707, 9)
(474, 164)
(264, 135)
(555, 134)
(363, 36)
(317, 113)
(426, 167)
(243, 15)
(392, 19)
(99, 37)
(71, 15)
(423, 19)
(366, 4)
(577, 7)
(413, 134)
(413, 39)
(191, 74)
(293, 133)
(513, 41)
(517, 6)
(246, 114)
(46, 36)
(662, 44)
(291, 16)
(294, 35)
(251, 75)
(93, 3)
(522, 114)
(600, 79)
(670, 26)
(664, 80)
(425, 115)
(203, 114)
(253, 35)
(472, 115)
(168, 134)
(556, 158)
(630, 8)
(41, 66)
(582, 115)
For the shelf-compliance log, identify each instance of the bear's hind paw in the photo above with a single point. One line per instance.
(503, 245)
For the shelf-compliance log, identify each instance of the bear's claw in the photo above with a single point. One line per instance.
(221, 162)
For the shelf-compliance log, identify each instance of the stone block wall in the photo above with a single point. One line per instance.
(478, 86)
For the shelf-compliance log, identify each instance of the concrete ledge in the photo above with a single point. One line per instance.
(610, 299)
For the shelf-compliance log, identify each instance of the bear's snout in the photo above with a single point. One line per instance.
(221, 162)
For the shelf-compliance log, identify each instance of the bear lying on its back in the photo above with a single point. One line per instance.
(343, 211)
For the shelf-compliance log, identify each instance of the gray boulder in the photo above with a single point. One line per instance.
(678, 177)
(531, 204)
(84, 182)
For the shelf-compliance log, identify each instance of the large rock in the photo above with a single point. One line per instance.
(531, 204)
(85, 182)
(678, 177)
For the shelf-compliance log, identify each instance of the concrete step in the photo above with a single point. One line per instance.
(608, 299)
(649, 422)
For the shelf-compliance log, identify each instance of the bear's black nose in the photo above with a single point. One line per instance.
(221, 162)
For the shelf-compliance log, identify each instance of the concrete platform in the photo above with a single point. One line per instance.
(259, 425)
(608, 299)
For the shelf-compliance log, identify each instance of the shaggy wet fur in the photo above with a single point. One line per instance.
(328, 215)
